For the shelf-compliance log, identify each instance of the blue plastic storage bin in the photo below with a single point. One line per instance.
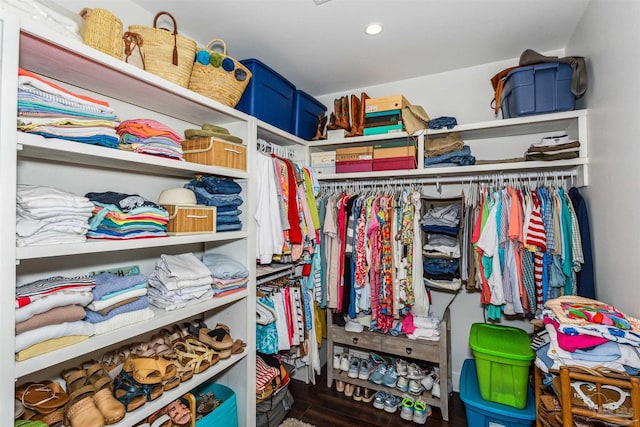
(537, 89)
(482, 413)
(225, 415)
(306, 110)
(269, 96)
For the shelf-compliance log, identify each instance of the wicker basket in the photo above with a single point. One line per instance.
(191, 219)
(167, 54)
(218, 76)
(102, 30)
(213, 152)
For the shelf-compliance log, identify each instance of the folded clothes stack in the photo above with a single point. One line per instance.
(51, 111)
(149, 136)
(178, 281)
(224, 194)
(448, 150)
(559, 147)
(123, 216)
(48, 216)
(50, 314)
(229, 275)
(119, 300)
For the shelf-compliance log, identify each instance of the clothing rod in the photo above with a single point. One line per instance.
(453, 179)
(271, 148)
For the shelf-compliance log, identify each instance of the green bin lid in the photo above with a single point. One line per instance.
(503, 341)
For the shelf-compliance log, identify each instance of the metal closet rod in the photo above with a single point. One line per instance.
(496, 177)
(271, 148)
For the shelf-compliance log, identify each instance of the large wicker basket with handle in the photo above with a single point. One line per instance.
(218, 76)
(102, 30)
(166, 53)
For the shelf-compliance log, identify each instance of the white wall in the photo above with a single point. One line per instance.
(609, 37)
(465, 94)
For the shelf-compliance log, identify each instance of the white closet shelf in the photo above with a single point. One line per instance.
(95, 246)
(461, 171)
(273, 134)
(360, 140)
(36, 146)
(91, 346)
(169, 396)
(500, 128)
(52, 55)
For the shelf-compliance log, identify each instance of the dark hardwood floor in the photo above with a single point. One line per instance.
(326, 407)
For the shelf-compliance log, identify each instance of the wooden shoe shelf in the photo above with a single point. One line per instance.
(435, 352)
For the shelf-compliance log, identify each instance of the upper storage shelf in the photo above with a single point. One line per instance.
(70, 61)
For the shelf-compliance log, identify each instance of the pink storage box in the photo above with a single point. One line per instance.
(394, 163)
(354, 166)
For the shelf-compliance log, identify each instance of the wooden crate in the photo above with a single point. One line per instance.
(214, 152)
(191, 219)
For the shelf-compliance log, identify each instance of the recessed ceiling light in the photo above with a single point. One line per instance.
(373, 29)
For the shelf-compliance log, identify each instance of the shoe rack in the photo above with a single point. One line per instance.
(80, 168)
(434, 352)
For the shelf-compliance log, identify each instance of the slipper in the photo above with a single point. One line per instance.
(218, 339)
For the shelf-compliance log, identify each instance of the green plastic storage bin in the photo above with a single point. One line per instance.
(503, 355)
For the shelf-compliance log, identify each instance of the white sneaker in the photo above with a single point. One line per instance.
(401, 367)
(435, 391)
(415, 372)
(427, 382)
(344, 362)
(336, 361)
(353, 326)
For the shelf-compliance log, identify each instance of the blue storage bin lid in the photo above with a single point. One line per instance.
(564, 70)
(301, 93)
(470, 395)
(249, 62)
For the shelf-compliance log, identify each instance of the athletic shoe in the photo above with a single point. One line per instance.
(378, 374)
(339, 386)
(403, 384)
(390, 378)
(336, 361)
(391, 403)
(357, 394)
(435, 391)
(367, 395)
(366, 369)
(421, 411)
(401, 367)
(348, 389)
(415, 372)
(354, 367)
(378, 400)
(428, 381)
(344, 362)
(414, 387)
(406, 413)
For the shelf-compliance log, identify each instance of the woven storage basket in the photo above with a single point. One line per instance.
(218, 76)
(167, 54)
(102, 30)
(213, 152)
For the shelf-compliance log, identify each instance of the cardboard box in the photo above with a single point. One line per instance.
(382, 130)
(385, 103)
(392, 149)
(354, 159)
(383, 118)
(323, 162)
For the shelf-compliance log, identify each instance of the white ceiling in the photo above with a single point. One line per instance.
(322, 48)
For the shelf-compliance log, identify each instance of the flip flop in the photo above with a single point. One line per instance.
(238, 346)
(42, 397)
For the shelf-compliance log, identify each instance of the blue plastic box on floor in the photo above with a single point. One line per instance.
(483, 413)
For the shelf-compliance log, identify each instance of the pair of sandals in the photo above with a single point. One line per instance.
(220, 340)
